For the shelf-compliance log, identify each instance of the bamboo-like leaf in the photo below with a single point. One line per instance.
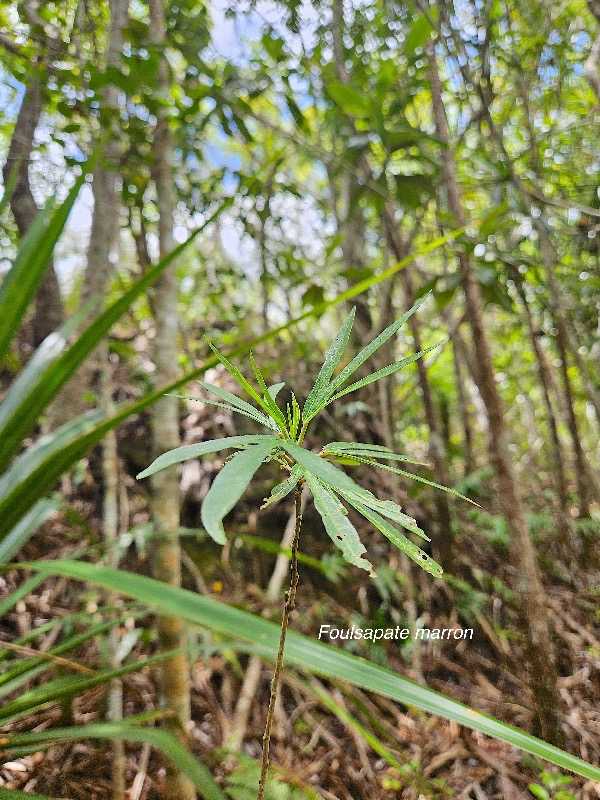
(204, 448)
(414, 477)
(124, 731)
(20, 284)
(373, 346)
(55, 690)
(274, 409)
(282, 489)
(385, 371)
(44, 384)
(26, 527)
(230, 484)
(386, 508)
(234, 400)
(397, 538)
(339, 528)
(237, 375)
(275, 389)
(319, 393)
(353, 449)
(307, 654)
(323, 469)
(239, 407)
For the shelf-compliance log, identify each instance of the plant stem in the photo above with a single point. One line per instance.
(289, 606)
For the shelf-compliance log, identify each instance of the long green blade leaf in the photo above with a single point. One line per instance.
(371, 348)
(339, 528)
(44, 383)
(387, 508)
(385, 371)
(230, 484)
(307, 654)
(204, 448)
(319, 393)
(239, 404)
(26, 527)
(397, 538)
(33, 257)
(161, 740)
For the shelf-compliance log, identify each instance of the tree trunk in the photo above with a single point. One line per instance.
(49, 312)
(543, 677)
(164, 503)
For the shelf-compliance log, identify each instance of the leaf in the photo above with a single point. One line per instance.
(398, 539)
(230, 484)
(319, 393)
(385, 371)
(352, 449)
(237, 375)
(417, 478)
(371, 348)
(386, 508)
(275, 389)
(256, 415)
(274, 409)
(160, 739)
(285, 487)
(348, 99)
(26, 527)
(323, 469)
(306, 653)
(338, 526)
(418, 35)
(189, 451)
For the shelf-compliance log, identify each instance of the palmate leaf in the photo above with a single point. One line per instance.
(204, 448)
(397, 538)
(319, 394)
(230, 484)
(338, 526)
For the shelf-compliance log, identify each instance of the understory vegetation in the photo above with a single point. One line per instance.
(357, 244)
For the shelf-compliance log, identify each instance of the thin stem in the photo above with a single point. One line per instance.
(289, 606)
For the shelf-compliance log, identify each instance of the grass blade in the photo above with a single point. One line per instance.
(307, 654)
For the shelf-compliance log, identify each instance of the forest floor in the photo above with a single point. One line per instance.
(310, 745)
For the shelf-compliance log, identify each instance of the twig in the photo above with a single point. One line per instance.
(290, 605)
(64, 662)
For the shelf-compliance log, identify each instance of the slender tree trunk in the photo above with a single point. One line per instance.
(463, 407)
(558, 460)
(164, 503)
(49, 312)
(543, 677)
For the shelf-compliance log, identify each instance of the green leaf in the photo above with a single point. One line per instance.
(34, 389)
(26, 527)
(319, 393)
(282, 489)
(389, 370)
(230, 484)
(256, 415)
(275, 389)
(237, 375)
(202, 449)
(341, 531)
(414, 477)
(352, 449)
(307, 654)
(124, 731)
(386, 508)
(373, 346)
(320, 467)
(418, 35)
(274, 409)
(348, 99)
(397, 538)
(35, 251)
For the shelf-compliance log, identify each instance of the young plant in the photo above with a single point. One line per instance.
(328, 484)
